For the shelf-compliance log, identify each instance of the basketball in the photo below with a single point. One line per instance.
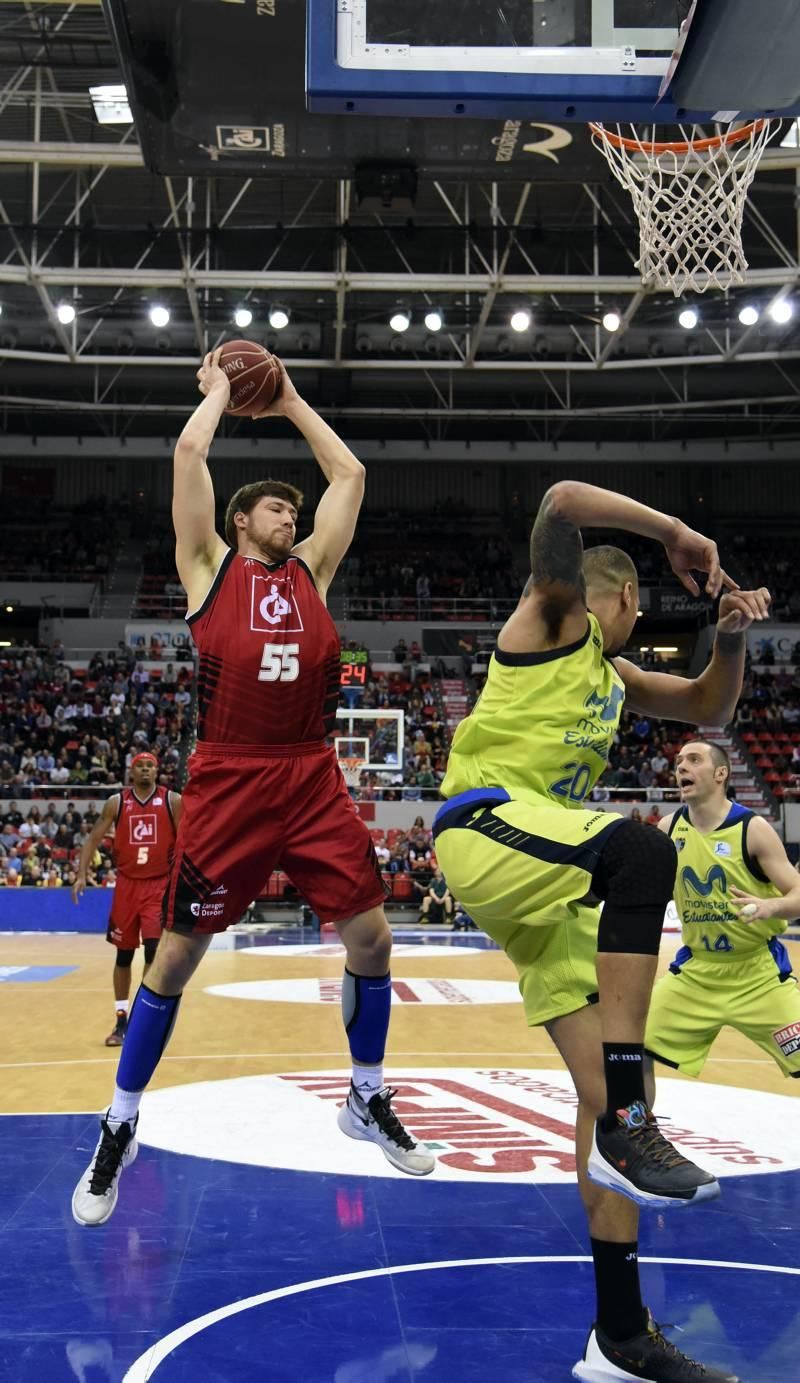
(254, 376)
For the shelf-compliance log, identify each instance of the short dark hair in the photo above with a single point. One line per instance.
(247, 497)
(608, 566)
(719, 756)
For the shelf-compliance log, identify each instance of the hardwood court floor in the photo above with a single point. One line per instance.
(252, 1241)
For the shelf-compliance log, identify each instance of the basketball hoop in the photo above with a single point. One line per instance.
(351, 767)
(689, 196)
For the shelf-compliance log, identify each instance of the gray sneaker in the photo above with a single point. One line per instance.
(95, 1196)
(378, 1123)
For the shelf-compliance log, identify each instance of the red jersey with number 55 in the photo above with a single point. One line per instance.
(144, 835)
(269, 656)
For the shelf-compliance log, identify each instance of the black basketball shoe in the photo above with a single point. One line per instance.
(647, 1357)
(638, 1161)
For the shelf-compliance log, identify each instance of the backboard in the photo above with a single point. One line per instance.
(557, 60)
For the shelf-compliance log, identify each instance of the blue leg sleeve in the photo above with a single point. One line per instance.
(150, 1025)
(366, 1008)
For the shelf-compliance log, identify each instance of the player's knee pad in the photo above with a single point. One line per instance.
(150, 947)
(125, 959)
(634, 877)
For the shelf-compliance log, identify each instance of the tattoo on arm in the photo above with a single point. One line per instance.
(556, 564)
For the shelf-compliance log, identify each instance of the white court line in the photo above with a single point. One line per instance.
(146, 1365)
(257, 1056)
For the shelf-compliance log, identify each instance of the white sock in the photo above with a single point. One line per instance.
(122, 1006)
(124, 1106)
(367, 1081)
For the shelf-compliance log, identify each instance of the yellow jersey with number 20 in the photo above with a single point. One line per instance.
(543, 725)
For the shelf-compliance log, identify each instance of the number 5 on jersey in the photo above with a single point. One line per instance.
(280, 662)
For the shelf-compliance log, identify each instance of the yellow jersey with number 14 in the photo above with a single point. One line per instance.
(708, 866)
(543, 725)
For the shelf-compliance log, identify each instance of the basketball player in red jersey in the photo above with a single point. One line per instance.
(144, 819)
(264, 789)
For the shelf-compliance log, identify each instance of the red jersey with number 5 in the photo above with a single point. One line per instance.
(269, 656)
(144, 835)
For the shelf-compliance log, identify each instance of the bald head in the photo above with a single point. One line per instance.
(606, 570)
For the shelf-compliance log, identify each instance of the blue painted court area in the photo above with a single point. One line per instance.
(22, 974)
(489, 1282)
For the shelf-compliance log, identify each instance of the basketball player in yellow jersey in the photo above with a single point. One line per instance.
(734, 890)
(521, 854)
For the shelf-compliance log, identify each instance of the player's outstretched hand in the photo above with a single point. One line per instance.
(212, 376)
(78, 888)
(688, 551)
(739, 609)
(750, 909)
(286, 395)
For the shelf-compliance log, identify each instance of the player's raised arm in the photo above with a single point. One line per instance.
(198, 547)
(553, 610)
(711, 698)
(766, 848)
(337, 511)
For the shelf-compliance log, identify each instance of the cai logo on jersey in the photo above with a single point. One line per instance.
(273, 605)
(705, 887)
(142, 829)
(486, 1125)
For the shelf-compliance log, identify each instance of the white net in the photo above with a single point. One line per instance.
(689, 196)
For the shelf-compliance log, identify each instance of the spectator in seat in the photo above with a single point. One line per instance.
(437, 900)
(12, 879)
(653, 816)
(400, 652)
(415, 652)
(636, 815)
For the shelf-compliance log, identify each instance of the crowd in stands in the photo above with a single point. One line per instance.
(426, 736)
(768, 721)
(63, 728)
(69, 547)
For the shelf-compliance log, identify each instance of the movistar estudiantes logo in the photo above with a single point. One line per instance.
(703, 887)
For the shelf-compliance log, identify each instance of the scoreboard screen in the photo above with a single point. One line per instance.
(354, 663)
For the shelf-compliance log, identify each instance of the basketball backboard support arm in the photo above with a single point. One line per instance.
(353, 69)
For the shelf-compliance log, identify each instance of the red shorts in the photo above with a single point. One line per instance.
(136, 910)
(245, 814)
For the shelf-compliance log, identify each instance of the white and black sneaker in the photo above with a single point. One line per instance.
(95, 1196)
(646, 1358)
(377, 1122)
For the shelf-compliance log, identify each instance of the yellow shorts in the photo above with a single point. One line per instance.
(757, 996)
(523, 871)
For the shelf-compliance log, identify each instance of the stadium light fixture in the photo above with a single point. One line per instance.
(278, 318)
(400, 321)
(612, 321)
(243, 316)
(520, 320)
(781, 311)
(749, 315)
(65, 313)
(159, 316)
(689, 318)
(434, 320)
(111, 104)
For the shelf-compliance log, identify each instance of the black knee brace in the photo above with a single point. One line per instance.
(125, 959)
(634, 876)
(150, 947)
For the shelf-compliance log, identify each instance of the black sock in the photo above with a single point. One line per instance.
(620, 1313)
(624, 1069)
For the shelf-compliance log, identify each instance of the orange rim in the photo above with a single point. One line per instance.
(681, 146)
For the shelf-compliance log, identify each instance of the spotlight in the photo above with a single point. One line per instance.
(9, 609)
(363, 345)
(520, 320)
(243, 316)
(304, 342)
(159, 316)
(748, 316)
(688, 319)
(397, 345)
(503, 345)
(611, 321)
(278, 318)
(400, 320)
(781, 311)
(434, 320)
(1, 309)
(65, 313)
